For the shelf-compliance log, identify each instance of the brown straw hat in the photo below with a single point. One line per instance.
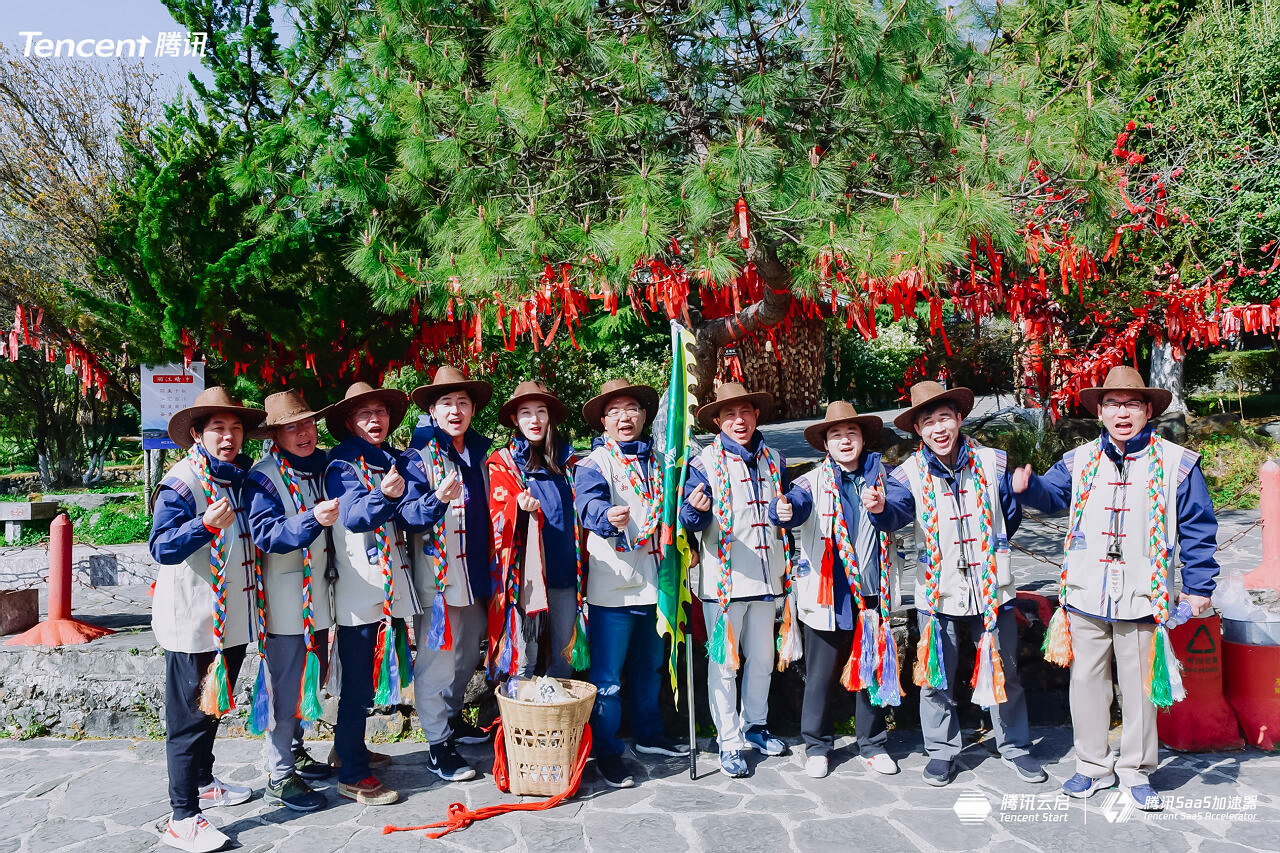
(734, 392)
(593, 409)
(284, 408)
(449, 378)
(335, 418)
(927, 393)
(211, 401)
(840, 412)
(531, 391)
(1124, 378)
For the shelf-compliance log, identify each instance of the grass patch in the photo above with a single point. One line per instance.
(1230, 465)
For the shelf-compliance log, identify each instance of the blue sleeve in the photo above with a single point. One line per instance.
(1010, 504)
(177, 530)
(1197, 535)
(359, 509)
(419, 508)
(1050, 493)
(591, 499)
(690, 518)
(801, 507)
(272, 530)
(899, 506)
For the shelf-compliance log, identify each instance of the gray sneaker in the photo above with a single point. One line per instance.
(294, 794)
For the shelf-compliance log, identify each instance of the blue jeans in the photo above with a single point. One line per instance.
(619, 635)
(356, 646)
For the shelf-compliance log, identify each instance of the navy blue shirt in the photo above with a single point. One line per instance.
(273, 531)
(555, 496)
(1197, 524)
(422, 509)
(177, 522)
(360, 509)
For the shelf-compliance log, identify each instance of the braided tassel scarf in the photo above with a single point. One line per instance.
(215, 691)
(392, 666)
(723, 647)
(789, 647)
(649, 490)
(988, 669)
(440, 634)
(1057, 636)
(309, 689)
(577, 652)
(261, 720)
(928, 670)
(888, 690)
(1165, 685)
(860, 669)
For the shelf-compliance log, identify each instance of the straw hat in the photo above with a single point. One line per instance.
(734, 392)
(840, 412)
(359, 393)
(593, 409)
(284, 408)
(449, 378)
(927, 393)
(211, 401)
(1124, 378)
(531, 391)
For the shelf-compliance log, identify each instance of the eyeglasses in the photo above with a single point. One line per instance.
(630, 412)
(1113, 406)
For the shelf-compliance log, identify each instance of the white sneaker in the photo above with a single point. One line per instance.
(193, 834)
(815, 766)
(219, 793)
(880, 763)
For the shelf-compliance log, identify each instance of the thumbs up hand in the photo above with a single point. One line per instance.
(1021, 479)
(699, 499)
(783, 509)
(873, 499)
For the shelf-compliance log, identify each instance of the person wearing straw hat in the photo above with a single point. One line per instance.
(374, 593)
(618, 498)
(447, 511)
(744, 565)
(288, 517)
(961, 499)
(1116, 589)
(842, 590)
(204, 612)
(536, 539)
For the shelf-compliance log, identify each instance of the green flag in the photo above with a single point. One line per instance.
(673, 586)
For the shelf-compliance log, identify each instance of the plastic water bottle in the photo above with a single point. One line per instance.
(1181, 614)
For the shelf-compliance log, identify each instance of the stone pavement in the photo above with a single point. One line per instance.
(109, 796)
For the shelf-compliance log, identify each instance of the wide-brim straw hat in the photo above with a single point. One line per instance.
(593, 409)
(734, 392)
(449, 378)
(927, 393)
(397, 403)
(1124, 378)
(284, 408)
(840, 412)
(531, 391)
(211, 401)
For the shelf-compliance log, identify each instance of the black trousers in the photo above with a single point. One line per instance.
(825, 653)
(190, 732)
(356, 645)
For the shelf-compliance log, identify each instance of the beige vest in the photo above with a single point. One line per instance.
(182, 609)
(1119, 589)
(282, 573)
(457, 587)
(811, 540)
(960, 591)
(757, 555)
(358, 592)
(622, 578)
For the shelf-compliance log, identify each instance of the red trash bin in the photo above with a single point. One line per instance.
(1204, 721)
(1252, 675)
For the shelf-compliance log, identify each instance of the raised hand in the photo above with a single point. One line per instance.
(527, 502)
(784, 509)
(326, 512)
(699, 499)
(393, 484)
(1021, 479)
(220, 514)
(619, 516)
(873, 499)
(450, 488)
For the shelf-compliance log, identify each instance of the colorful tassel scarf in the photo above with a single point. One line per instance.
(648, 489)
(309, 689)
(392, 664)
(440, 634)
(215, 690)
(1057, 636)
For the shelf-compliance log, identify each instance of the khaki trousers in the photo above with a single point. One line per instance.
(1095, 643)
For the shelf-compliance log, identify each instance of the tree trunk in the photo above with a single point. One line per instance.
(1166, 372)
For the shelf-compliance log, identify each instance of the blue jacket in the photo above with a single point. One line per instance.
(421, 509)
(359, 509)
(593, 490)
(273, 531)
(692, 519)
(177, 526)
(900, 504)
(869, 468)
(1197, 524)
(556, 498)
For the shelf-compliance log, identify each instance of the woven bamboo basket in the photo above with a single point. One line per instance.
(542, 740)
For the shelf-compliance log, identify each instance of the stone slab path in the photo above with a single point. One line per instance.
(109, 796)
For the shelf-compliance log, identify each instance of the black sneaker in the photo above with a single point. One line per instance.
(469, 733)
(295, 794)
(444, 761)
(308, 768)
(614, 772)
(1027, 768)
(662, 745)
(938, 772)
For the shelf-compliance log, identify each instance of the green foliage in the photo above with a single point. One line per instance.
(869, 373)
(1230, 467)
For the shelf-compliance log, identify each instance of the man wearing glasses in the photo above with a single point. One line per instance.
(1131, 498)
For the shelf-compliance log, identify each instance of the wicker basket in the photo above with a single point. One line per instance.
(542, 740)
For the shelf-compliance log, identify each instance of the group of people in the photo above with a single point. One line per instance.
(532, 560)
